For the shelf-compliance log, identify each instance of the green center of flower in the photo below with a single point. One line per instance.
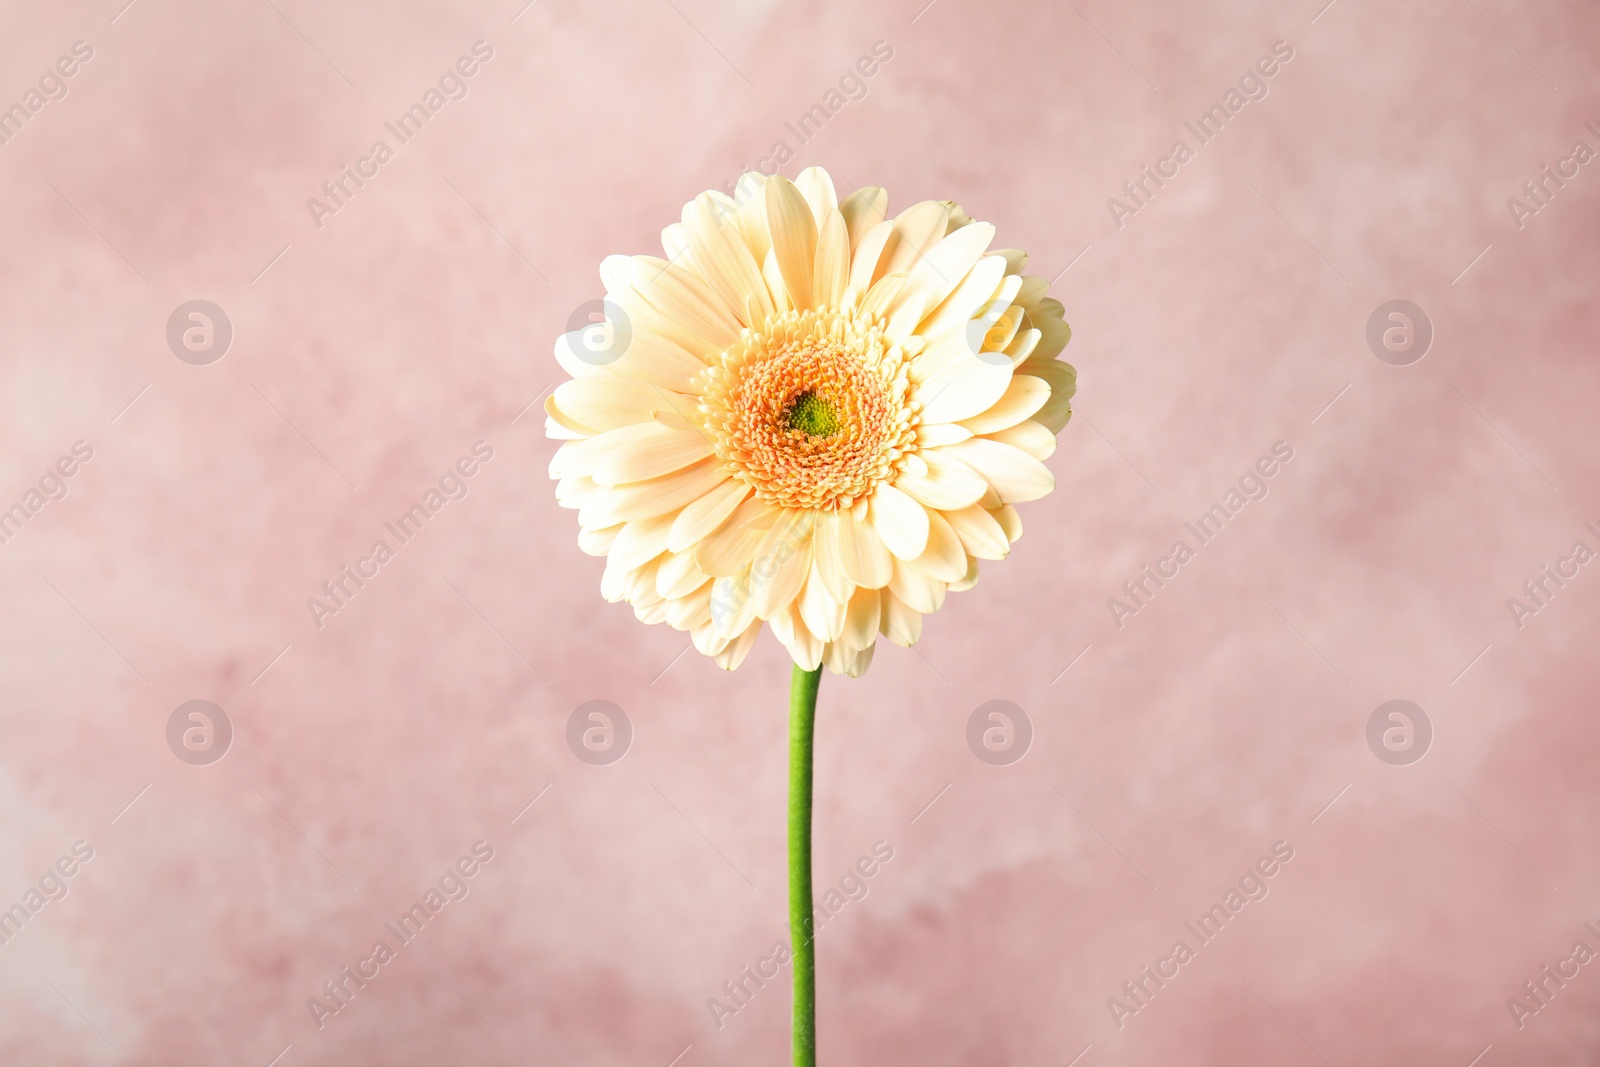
(811, 415)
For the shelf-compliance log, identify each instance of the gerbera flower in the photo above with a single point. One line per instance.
(808, 416)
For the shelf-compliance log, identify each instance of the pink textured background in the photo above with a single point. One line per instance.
(1222, 318)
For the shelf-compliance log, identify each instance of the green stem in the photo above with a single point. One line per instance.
(802, 729)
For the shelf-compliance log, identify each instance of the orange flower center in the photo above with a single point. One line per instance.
(812, 409)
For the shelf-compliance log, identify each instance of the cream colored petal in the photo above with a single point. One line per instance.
(883, 297)
(679, 575)
(832, 270)
(1063, 381)
(803, 645)
(980, 534)
(598, 542)
(948, 484)
(702, 516)
(954, 384)
(1029, 436)
(865, 253)
(821, 611)
(640, 500)
(778, 291)
(1056, 332)
(900, 521)
(732, 547)
(861, 619)
(691, 610)
(1015, 475)
(916, 230)
(840, 659)
(751, 214)
(598, 404)
(815, 185)
(725, 261)
(947, 263)
(982, 286)
(1010, 522)
(640, 542)
(920, 590)
(639, 452)
(945, 559)
(782, 564)
(905, 311)
(674, 241)
(1016, 259)
(862, 210)
(682, 297)
(861, 552)
(933, 434)
(737, 649)
(829, 560)
(900, 623)
(1024, 396)
(794, 238)
(969, 580)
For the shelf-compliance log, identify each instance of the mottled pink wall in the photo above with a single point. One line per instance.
(1223, 316)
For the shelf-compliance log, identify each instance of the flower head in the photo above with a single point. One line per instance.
(809, 415)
